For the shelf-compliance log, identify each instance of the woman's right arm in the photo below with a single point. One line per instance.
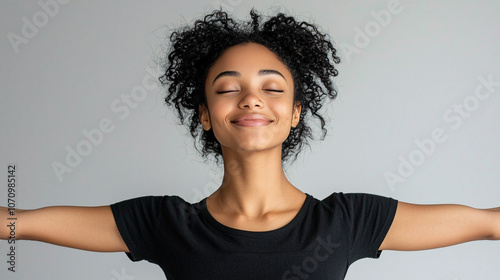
(86, 228)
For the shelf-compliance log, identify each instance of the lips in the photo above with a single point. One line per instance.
(252, 120)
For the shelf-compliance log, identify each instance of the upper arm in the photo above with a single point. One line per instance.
(86, 228)
(421, 227)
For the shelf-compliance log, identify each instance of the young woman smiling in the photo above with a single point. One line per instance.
(250, 108)
(247, 92)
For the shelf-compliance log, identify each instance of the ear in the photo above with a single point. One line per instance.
(204, 117)
(297, 107)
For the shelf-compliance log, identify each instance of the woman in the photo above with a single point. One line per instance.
(247, 91)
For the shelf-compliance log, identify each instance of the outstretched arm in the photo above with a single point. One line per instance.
(421, 227)
(86, 228)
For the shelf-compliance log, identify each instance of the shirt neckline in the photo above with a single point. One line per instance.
(257, 234)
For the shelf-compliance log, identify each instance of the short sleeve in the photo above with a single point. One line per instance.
(370, 217)
(138, 220)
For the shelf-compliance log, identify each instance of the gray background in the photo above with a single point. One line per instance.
(393, 91)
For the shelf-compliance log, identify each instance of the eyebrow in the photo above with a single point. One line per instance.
(237, 74)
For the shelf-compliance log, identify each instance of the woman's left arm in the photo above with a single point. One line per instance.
(421, 227)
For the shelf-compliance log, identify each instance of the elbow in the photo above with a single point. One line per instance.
(493, 236)
(495, 224)
(496, 234)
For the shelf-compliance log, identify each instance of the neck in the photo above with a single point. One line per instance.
(254, 184)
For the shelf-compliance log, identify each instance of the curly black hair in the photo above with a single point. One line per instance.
(308, 54)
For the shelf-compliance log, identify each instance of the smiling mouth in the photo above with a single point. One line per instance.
(251, 121)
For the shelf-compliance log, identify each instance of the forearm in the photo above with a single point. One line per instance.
(4, 232)
(9, 223)
(86, 228)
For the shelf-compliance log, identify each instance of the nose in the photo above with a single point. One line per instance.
(250, 99)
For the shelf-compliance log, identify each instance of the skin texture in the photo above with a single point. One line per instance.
(249, 93)
(86, 228)
(422, 227)
(255, 194)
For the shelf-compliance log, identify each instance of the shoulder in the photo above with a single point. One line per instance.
(358, 203)
(152, 205)
(342, 199)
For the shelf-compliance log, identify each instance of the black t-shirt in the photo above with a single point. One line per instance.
(320, 243)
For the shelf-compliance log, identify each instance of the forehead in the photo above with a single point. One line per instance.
(248, 58)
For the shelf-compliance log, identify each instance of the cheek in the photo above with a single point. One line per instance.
(284, 110)
(218, 112)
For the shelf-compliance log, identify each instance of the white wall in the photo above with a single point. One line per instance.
(66, 74)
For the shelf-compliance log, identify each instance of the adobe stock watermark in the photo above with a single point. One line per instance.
(454, 117)
(372, 29)
(31, 26)
(232, 167)
(11, 220)
(207, 189)
(310, 264)
(121, 276)
(92, 138)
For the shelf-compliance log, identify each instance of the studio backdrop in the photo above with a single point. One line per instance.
(82, 119)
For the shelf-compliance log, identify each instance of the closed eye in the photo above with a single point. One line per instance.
(226, 91)
(274, 90)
